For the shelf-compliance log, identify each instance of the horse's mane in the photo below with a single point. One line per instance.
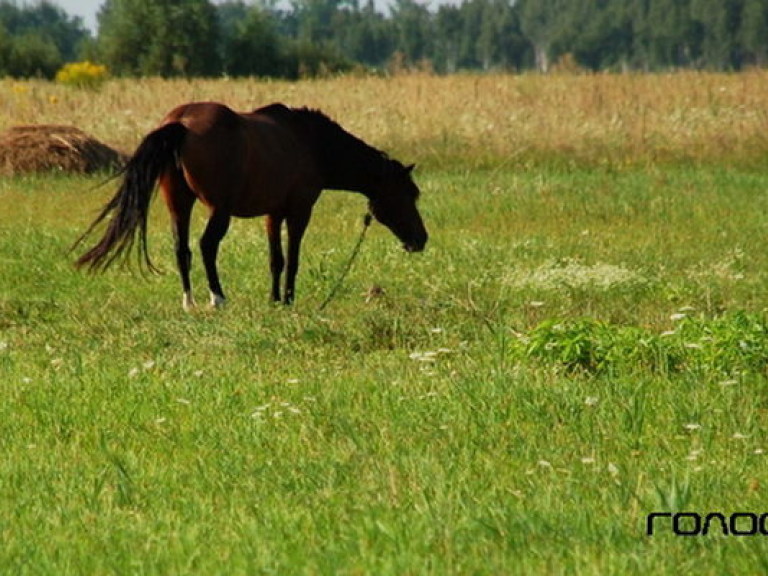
(333, 141)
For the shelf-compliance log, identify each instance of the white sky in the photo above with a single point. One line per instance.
(86, 9)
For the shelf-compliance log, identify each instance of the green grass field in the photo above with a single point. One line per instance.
(577, 348)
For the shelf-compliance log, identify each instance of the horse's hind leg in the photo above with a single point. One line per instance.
(180, 199)
(215, 230)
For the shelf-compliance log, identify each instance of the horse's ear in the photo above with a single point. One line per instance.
(409, 168)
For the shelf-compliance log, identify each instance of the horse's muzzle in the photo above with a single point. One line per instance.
(417, 244)
(414, 246)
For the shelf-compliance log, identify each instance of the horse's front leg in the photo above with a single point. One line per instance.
(297, 224)
(217, 227)
(276, 260)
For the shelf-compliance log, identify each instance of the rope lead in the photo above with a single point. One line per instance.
(367, 219)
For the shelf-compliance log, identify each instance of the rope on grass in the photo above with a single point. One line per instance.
(366, 224)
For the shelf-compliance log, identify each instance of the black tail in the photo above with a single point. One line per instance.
(130, 205)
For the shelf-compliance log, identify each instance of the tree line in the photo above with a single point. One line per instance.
(309, 37)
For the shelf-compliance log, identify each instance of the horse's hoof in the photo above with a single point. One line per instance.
(217, 300)
(187, 302)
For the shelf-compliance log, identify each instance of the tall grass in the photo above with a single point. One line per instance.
(598, 119)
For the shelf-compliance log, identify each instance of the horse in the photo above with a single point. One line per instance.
(273, 162)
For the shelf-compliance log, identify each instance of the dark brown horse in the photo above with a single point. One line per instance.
(274, 161)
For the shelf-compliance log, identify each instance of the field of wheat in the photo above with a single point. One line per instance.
(686, 116)
(582, 345)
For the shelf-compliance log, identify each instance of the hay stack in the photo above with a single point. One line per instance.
(42, 148)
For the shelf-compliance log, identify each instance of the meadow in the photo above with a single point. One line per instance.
(584, 342)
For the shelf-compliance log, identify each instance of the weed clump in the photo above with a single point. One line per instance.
(726, 346)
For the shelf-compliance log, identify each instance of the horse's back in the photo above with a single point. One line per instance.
(280, 161)
(245, 163)
(202, 117)
(279, 146)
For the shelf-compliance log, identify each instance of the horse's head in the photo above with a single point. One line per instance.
(394, 205)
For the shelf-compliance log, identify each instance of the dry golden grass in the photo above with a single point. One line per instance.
(612, 119)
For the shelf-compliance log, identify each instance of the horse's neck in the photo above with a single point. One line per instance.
(347, 162)
(357, 173)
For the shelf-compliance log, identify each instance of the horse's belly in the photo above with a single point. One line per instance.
(248, 212)
(249, 203)
(239, 200)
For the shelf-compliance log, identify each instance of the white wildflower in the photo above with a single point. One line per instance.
(423, 356)
(569, 273)
(694, 455)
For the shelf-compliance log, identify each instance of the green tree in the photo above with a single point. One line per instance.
(600, 35)
(362, 34)
(719, 22)
(33, 55)
(539, 23)
(315, 19)
(413, 25)
(252, 47)
(160, 37)
(754, 32)
(448, 37)
(500, 42)
(37, 39)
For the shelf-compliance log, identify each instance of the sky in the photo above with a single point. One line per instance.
(86, 9)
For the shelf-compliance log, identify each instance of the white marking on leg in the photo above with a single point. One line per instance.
(217, 300)
(187, 302)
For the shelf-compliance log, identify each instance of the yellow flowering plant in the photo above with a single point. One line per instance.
(82, 75)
